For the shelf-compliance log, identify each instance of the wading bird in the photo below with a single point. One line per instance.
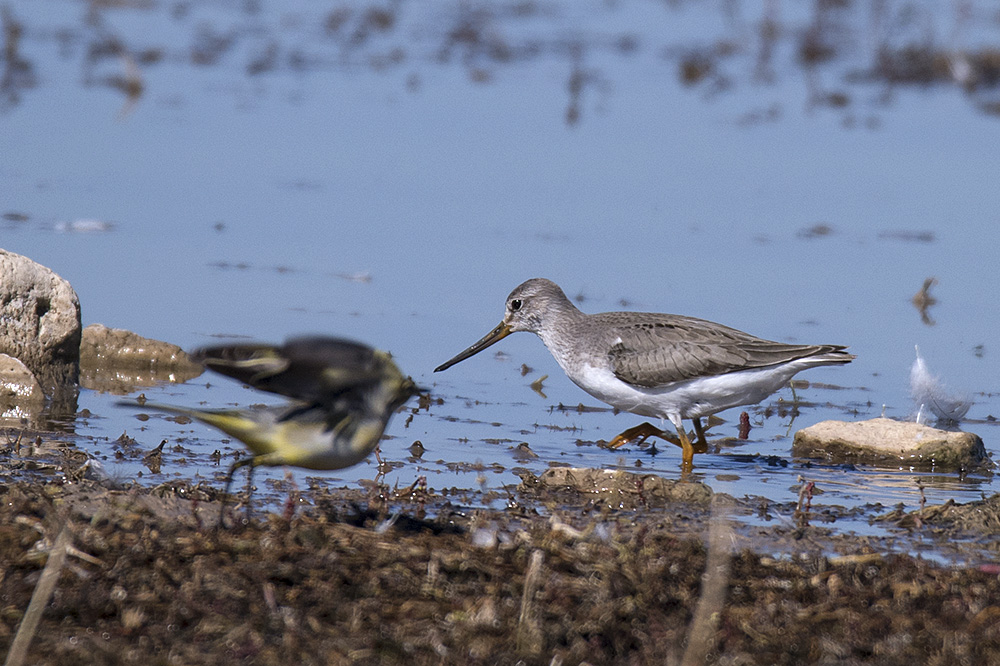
(659, 365)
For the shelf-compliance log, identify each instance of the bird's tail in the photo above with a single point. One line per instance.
(252, 428)
(835, 356)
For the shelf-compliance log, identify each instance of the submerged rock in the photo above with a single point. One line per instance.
(40, 322)
(979, 518)
(118, 361)
(886, 442)
(618, 488)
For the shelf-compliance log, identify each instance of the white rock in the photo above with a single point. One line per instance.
(883, 441)
(39, 321)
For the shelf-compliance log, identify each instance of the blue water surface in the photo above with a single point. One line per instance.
(289, 169)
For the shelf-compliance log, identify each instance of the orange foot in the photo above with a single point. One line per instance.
(640, 434)
(643, 431)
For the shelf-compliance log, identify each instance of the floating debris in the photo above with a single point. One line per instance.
(84, 226)
(907, 236)
(922, 300)
(361, 277)
(523, 452)
(816, 231)
(929, 393)
(154, 459)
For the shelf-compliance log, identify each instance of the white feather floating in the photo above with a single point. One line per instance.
(930, 394)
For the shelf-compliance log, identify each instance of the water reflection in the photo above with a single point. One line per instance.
(853, 57)
(18, 73)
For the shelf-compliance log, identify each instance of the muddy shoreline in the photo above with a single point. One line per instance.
(380, 575)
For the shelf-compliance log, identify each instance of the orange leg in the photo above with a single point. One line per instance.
(687, 451)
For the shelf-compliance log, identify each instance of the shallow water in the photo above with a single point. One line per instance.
(286, 169)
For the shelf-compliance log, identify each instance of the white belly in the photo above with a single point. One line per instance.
(686, 399)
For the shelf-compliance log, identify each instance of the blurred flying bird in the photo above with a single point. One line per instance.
(342, 395)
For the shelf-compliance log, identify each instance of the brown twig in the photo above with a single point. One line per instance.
(704, 625)
(40, 598)
(529, 633)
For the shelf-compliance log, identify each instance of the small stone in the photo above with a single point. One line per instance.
(21, 395)
(16, 381)
(883, 441)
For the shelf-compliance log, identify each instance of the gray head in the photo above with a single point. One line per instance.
(528, 306)
(532, 302)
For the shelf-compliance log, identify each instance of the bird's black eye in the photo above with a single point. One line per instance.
(515, 305)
